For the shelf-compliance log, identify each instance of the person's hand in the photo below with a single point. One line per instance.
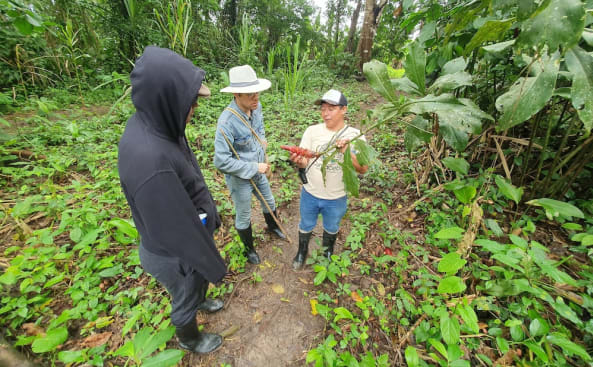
(262, 167)
(342, 144)
(299, 160)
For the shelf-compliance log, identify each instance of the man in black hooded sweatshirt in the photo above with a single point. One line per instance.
(170, 202)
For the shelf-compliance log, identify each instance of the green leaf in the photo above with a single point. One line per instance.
(469, 317)
(494, 227)
(438, 346)
(492, 30)
(450, 233)
(365, 154)
(588, 36)
(567, 346)
(405, 85)
(131, 321)
(537, 350)
(321, 275)
(556, 23)
(52, 339)
(450, 329)
(451, 284)
(498, 47)
(23, 26)
(125, 226)
(587, 240)
(449, 82)
(451, 263)
(166, 358)
(349, 175)
(508, 190)
(528, 95)
(580, 64)
(378, 77)
(126, 350)
(458, 165)
(564, 310)
(415, 65)
(412, 358)
(454, 66)
(557, 208)
(465, 194)
(418, 132)
(71, 356)
(342, 313)
(538, 327)
(457, 117)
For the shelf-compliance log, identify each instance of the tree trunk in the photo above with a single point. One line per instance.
(372, 14)
(352, 31)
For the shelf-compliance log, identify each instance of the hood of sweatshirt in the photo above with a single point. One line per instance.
(164, 86)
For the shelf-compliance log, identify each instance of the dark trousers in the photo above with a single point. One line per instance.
(185, 285)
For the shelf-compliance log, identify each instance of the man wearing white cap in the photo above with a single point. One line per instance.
(318, 196)
(240, 131)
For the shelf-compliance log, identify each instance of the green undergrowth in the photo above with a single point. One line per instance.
(71, 287)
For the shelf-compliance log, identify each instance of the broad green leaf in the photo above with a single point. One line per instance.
(567, 346)
(412, 358)
(449, 82)
(572, 226)
(125, 226)
(503, 344)
(342, 313)
(405, 85)
(492, 30)
(438, 346)
(23, 26)
(126, 350)
(378, 77)
(52, 339)
(166, 358)
(415, 65)
(528, 95)
(503, 288)
(469, 317)
(526, 9)
(587, 240)
(556, 23)
(458, 118)
(349, 175)
(588, 36)
(427, 32)
(460, 363)
(497, 47)
(452, 284)
(564, 310)
(450, 329)
(450, 233)
(71, 356)
(537, 350)
(557, 208)
(418, 132)
(454, 66)
(131, 321)
(465, 194)
(459, 165)
(365, 154)
(451, 263)
(142, 338)
(538, 327)
(508, 190)
(494, 227)
(580, 64)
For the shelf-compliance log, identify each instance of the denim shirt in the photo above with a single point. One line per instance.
(249, 149)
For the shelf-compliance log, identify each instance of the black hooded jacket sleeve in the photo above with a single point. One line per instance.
(159, 174)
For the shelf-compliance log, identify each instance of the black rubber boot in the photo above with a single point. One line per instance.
(328, 244)
(273, 226)
(301, 255)
(191, 339)
(207, 304)
(247, 238)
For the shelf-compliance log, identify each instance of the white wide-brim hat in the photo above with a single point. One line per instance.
(244, 80)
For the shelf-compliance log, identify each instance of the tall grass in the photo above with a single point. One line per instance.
(176, 21)
(295, 71)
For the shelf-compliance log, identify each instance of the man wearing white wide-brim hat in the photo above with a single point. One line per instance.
(240, 130)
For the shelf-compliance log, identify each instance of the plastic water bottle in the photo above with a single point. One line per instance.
(204, 218)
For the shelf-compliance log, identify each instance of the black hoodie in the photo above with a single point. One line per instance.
(158, 172)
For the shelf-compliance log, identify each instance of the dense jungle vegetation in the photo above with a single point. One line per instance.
(468, 243)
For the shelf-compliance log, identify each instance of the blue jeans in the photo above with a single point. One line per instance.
(241, 191)
(332, 212)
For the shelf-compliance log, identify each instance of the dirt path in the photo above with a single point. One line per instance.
(273, 317)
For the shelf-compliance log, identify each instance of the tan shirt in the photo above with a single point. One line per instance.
(316, 138)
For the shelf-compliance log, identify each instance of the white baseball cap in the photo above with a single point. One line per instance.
(334, 97)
